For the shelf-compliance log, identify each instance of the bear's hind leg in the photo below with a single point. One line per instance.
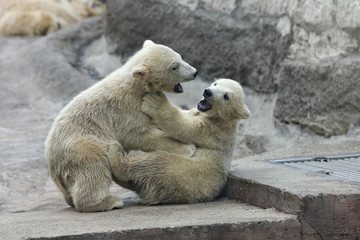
(90, 176)
(62, 188)
(91, 194)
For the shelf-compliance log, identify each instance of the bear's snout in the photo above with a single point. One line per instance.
(195, 74)
(207, 93)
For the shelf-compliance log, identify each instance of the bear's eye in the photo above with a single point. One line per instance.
(214, 84)
(226, 97)
(175, 66)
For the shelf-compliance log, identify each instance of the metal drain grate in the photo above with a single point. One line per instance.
(346, 167)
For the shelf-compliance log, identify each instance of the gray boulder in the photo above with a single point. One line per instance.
(325, 97)
(229, 43)
(50, 66)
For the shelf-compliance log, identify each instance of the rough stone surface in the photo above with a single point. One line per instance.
(330, 26)
(225, 219)
(49, 64)
(347, 14)
(327, 208)
(323, 97)
(219, 44)
(316, 46)
(341, 212)
(324, 53)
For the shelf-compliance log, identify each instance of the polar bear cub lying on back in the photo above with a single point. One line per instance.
(41, 17)
(162, 177)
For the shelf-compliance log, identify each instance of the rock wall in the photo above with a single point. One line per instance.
(319, 80)
(323, 97)
(306, 51)
(217, 37)
(320, 28)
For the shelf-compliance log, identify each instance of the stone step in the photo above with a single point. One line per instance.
(327, 208)
(221, 219)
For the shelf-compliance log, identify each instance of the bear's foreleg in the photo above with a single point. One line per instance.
(177, 123)
(155, 139)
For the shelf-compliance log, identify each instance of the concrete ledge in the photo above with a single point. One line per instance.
(327, 208)
(263, 195)
(226, 219)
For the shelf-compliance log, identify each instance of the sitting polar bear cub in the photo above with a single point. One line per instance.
(162, 177)
(106, 120)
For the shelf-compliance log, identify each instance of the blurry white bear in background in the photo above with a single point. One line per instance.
(41, 17)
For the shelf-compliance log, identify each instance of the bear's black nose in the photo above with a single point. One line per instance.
(195, 74)
(207, 93)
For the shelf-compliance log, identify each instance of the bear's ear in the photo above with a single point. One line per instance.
(148, 43)
(244, 112)
(139, 72)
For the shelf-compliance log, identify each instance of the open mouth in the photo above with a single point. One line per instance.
(178, 88)
(204, 105)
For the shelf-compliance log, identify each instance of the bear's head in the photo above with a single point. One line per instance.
(224, 99)
(161, 68)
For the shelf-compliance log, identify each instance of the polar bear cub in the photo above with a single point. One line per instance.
(104, 121)
(40, 17)
(162, 177)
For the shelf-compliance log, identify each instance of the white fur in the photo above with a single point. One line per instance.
(40, 17)
(86, 143)
(162, 177)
